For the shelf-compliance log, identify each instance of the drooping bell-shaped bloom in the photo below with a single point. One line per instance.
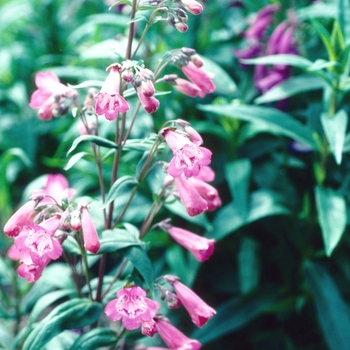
(192, 6)
(132, 307)
(109, 102)
(207, 192)
(200, 77)
(38, 243)
(186, 87)
(27, 269)
(188, 156)
(190, 198)
(175, 339)
(50, 90)
(149, 104)
(199, 311)
(91, 240)
(22, 217)
(202, 248)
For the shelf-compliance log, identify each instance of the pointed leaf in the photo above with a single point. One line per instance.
(291, 60)
(335, 130)
(122, 184)
(291, 87)
(262, 204)
(238, 178)
(74, 159)
(332, 310)
(72, 314)
(139, 258)
(331, 210)
(113, 240)
(100, 141)
(278, 122)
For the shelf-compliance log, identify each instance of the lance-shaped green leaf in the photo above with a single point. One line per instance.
(72, 314)
(277, 121)
(238, 177)
(74, 159)
(317, 10)
(332, 310)
(290, 60)
(100, 141)
(139, 258)
(95, 339)
(122, 184)
(331, 210)
(335, 130)
(113, 240)
(262, 204)
(291, 87)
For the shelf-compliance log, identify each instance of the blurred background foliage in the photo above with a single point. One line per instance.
(274, 278)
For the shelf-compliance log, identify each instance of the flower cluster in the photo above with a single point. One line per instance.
(281, 41)
(40, 226)
(135, 310)
(189, 170)
(50, 96)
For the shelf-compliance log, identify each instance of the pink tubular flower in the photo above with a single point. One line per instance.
(202, 248)
(190, 198)
(149, 328)
(200, 77)
(108, 101)
(132, 307)
(39, 244)
(91, 240)
(192, 6)
(188, 156)
(186, 87)
(174, 338)
(27, 269)
(149, 104)
(199, 311)
(22, 217)
(50, 89)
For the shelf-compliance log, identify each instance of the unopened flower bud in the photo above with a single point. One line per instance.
(75, 220)
(61, 236)
(181, 27)
(181, 14)
(197, 61)
(90, 98)
(188, 51)
(170, 78)
(172, 300)
(127, 75)
(65, 219)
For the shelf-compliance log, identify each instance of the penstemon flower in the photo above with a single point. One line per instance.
(202, 248)
(109, 102)
(188, 156)
(132, 307)
(175, 339)
(199, 311)
(51, 92)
